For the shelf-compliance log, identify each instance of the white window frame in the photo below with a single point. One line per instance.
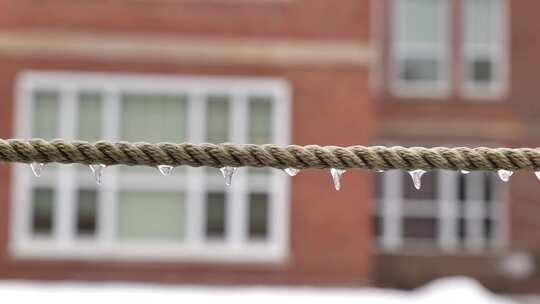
(444, 208)
(497, 50)
(236, 247)
(425, 89)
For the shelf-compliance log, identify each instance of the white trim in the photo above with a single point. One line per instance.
(433, 89)
(498, 52)
(236, 247)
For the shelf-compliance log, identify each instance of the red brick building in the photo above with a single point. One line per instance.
(191, 70)
(409, 72)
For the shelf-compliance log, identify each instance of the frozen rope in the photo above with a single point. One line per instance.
(269, 155)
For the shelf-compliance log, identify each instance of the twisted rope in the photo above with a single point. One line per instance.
(300, 157)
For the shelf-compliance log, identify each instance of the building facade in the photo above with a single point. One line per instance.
(456, 73)
(393, 72)
(197, 71)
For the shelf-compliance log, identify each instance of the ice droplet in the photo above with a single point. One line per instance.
(228, 173)
(165, 170)
(336, 177)
(97, 170)
(465, 171)
(416, 176)
(291, 171)
(37, 168)
(504, 175)
(537, 173)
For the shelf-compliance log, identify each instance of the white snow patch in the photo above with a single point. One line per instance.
(449, 290)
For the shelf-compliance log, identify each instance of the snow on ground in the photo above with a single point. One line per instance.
(442, 291)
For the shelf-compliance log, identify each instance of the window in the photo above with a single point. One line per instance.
(420, 47)
(423, 43)
(484, 54)
(136, 212)
(452, 212)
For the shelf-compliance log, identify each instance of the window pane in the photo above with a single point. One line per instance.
(46, 114)
(151, 216)
(153, 118)
(429, 190)
(418, 21)
(258, 215)
(42, 211)
(86, 212)
(483, 21)
(420, 69)
(215, 215)
(260, 120)
(420, 228)
(260, 126)
(218, 119)
(482, 70)
(90, 116)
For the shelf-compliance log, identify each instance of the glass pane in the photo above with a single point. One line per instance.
(462, 228)
(482, 70)
(377, 226)
(483, 21)
(153, 118)
(151, 216)
(218, 119)
(87, 212)
(429, 190)
(42, 211)
(420, 69)
(215, 215)
(258, 215)
(420, 228)
(260, 125)
(419, 21)
(260, 120)
(46, 114)
(90, 116)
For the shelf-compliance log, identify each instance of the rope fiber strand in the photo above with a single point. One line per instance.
(280, 157)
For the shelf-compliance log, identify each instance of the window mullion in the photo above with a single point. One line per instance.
(392, 200)
(197, 188)
(65, 205)
(447, 210)
(236, 219)
(108, 191)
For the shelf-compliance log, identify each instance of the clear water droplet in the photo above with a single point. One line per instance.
(537, 173)
(37, 168)
(465, 171)
(379, 171)
(291, 171)
(336, 177)
(228, 173)
(416, 176)
(97, 170)
(504, 175)
(165, 170)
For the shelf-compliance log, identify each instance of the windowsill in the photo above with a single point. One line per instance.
(215, 253)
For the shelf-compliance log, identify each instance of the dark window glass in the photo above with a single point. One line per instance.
(42, 211)
(258, 215)
(482, 70)
(462, 187)
(420, 228)
(488, 228)
(215, 215)
(377, 225)
(86, 212)
(420, 69)
(428, 190)
(462, 229)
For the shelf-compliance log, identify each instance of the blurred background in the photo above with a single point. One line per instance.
(347, 72)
